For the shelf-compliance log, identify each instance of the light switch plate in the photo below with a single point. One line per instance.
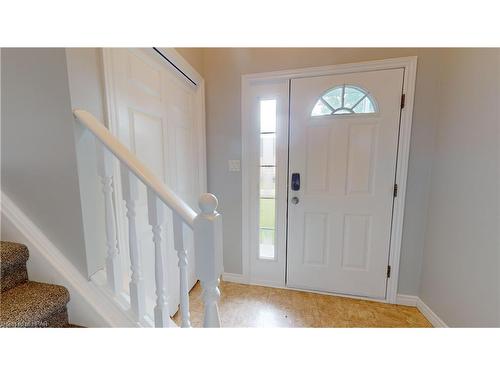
(234, 165)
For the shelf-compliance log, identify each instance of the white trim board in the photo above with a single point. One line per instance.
(233, 278)
(431, 316)
(87, 306)
(410, 69)
(406, 300)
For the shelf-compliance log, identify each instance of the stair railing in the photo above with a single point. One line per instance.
(207, 228)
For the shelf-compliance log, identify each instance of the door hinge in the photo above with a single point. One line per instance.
(403, 97)
(388, 271)
(395, 190)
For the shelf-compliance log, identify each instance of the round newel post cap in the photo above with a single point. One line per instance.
(208, 203)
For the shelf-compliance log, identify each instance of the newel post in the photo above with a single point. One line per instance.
(208, 255)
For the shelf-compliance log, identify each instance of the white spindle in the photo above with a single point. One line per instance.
(156, 212)
(207, 228)
(105, 170)
(208, 244)
(130, 187)
(183, 270)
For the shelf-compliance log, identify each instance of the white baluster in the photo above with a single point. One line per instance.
(130, 187)
(105, 170)
(156, 212)
(208, 244)
(183, 270)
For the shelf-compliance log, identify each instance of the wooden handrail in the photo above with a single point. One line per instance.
(143, 173)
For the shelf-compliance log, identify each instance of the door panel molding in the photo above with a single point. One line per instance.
(409, 64)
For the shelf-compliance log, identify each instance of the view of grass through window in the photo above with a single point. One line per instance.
(267, 195)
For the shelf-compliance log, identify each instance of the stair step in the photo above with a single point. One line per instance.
(34, 304)
(13, 277)
(12, 254)
(13, 258)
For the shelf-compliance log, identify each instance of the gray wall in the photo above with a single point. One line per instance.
(86, 88)
(222, 71)
(39, 165)
(460, 271)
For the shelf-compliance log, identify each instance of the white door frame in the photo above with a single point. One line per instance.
(183, 69)
(410, 69)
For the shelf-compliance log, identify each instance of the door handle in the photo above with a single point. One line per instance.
(295, 200)
(295, 182)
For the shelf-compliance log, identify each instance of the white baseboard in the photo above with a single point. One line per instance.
(431, 316)
(241, 279)
(233, 278)
(406, 300)
(88, 306)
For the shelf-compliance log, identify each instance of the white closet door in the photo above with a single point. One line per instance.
(157, 116)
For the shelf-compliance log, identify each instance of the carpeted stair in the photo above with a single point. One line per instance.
(25, 303)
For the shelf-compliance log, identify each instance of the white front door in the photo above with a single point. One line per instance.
(342, 160)
(157, 115)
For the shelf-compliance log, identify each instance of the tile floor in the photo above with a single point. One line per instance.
(257, 306)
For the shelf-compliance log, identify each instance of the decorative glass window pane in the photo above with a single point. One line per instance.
(352, 96)
(268, 116)
(334, 97)
(321, 109)
(267, 222)
(364, 106)
(267, 181)
(266, 240)
(268, 149)
(267, 217)
(344, 100)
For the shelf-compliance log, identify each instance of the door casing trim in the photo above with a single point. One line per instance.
(410, 70)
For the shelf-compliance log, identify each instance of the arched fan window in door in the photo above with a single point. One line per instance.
(345, 100)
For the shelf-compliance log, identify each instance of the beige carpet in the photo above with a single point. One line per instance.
(25, 303)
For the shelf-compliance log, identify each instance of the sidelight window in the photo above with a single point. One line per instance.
(267, 192)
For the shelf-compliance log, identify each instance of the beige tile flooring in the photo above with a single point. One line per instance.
(257, 306)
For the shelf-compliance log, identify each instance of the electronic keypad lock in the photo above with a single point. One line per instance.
(295, 181)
